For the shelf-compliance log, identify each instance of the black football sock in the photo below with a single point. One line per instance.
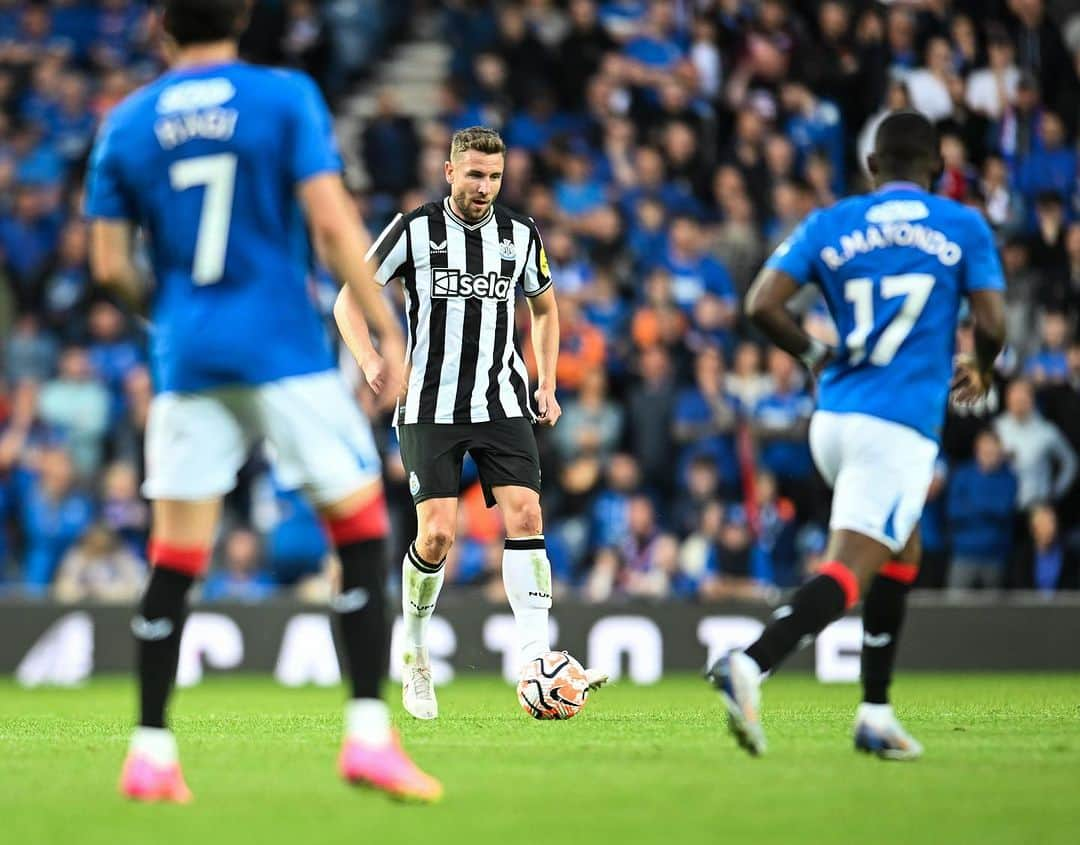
(815, 604)
(361, 613)
(157, 629)
(883, 617)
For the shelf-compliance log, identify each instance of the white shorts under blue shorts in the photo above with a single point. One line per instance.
(880, 472)
(317, 439)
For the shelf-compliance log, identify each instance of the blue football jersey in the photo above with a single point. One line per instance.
(207, 162)
(893, 267)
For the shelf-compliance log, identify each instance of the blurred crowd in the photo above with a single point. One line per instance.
(664, 148)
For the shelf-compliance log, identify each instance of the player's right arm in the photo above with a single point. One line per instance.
(111, 263)
(984, 283)
(777, 283)
(111, 212)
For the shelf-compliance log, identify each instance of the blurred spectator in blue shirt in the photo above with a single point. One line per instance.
(534, 127)
(647, 234)
(1050, 562)
(116, 35)
(610, 507)
(732, 574)
(123, 510)
(652, 182)
(1051, 166)
(605, 309)
(813, 125)
(28, 235)
(704, 420)
(578, 193)
(30, 353)
(296, 545)
(112, 354)
(649, 557)
(54, 516)
(64, 288)
(71, 124)
(781, 420)
(238, 577)
(76, 405)
(934, 530)
(694, 273)
(1049, 365)
(701, 488)
(655, 49)
(697, 554)
(43, 96)
(567, 263)
(981, 504)
(774, 558)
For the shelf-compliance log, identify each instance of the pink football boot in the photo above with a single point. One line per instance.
(144, 780)
(389, 769)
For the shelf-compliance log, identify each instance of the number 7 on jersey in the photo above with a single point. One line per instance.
(217, 173)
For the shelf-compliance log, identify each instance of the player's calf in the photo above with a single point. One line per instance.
(421, 583)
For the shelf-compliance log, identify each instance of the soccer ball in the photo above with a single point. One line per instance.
(553, 686)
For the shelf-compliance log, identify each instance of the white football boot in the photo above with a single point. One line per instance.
(417, 687)
(877, 731)
(738, 680)
(596, 678)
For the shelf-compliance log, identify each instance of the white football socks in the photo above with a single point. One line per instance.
(421, 583)
(367, 720)
(526, 575)
(156, 744)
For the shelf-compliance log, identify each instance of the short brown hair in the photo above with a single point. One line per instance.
(478, 138)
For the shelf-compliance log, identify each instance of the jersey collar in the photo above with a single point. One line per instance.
(900, 186)
(464, 223)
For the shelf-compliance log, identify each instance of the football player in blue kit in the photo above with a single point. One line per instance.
(893, 267)
(231, 172)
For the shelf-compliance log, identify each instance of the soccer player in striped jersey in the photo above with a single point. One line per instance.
(461, 262)
(228, 168)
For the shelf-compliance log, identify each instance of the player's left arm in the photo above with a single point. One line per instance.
(341, 241)
(545, 341)
(984, 283)
(536, 281)
(111, 262)
(766, 304)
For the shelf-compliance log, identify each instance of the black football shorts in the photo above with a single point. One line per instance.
(504, 451)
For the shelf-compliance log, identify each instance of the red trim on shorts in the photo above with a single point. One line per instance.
(188, 560)
(845, 578)
(905, 573)
(371, 521)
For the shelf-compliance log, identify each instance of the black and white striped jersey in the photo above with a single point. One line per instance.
(460, 282)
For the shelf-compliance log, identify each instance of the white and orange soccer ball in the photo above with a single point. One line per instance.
(553, 686)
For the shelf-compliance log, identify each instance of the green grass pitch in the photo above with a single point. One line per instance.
(640, 764)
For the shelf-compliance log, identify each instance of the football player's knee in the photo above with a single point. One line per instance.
(435, 541)
(525, 520)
